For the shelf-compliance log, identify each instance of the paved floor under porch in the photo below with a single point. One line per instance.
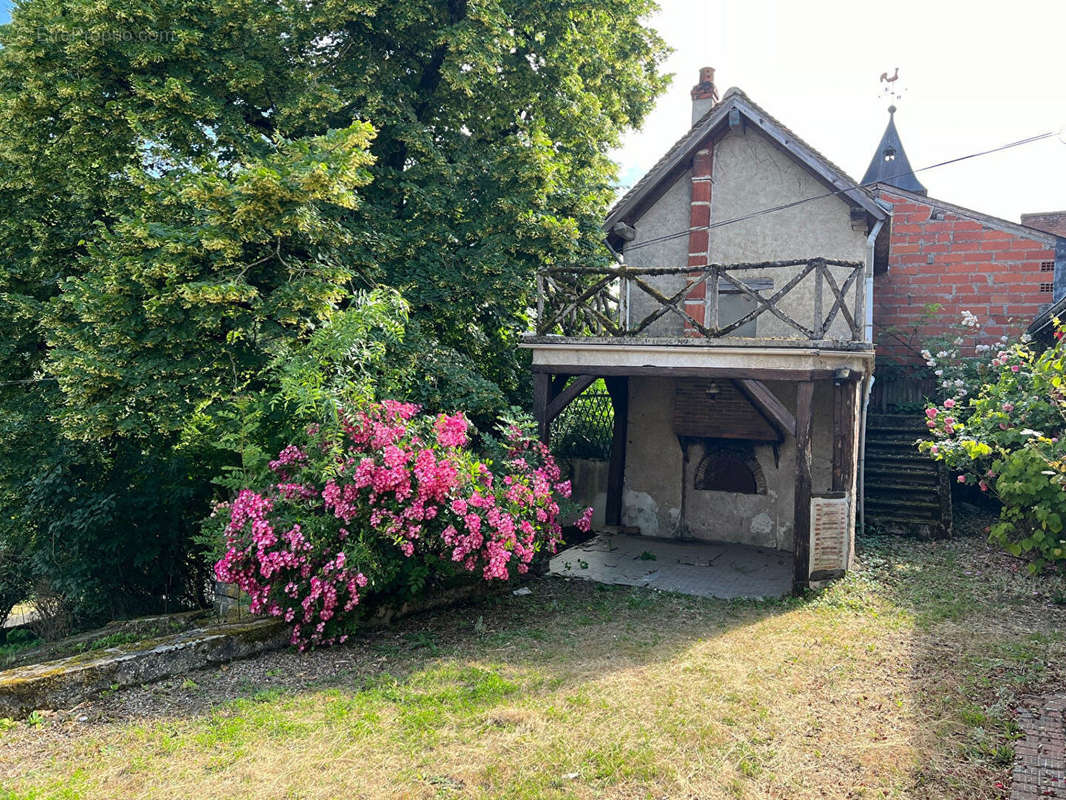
(703, 569)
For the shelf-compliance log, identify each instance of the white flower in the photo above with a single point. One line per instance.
(1026, 338)
(939, 373)
(926, 355)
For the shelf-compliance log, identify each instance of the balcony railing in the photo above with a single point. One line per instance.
(628, 301)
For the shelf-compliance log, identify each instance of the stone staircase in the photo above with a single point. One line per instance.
(906, 492)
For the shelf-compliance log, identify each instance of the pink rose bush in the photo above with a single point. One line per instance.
(342, 514)
(999, 430)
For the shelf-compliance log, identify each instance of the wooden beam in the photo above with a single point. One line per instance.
(767, 402)
(735, 373)
(618, 388)
(843, 435)
(801, 522)
(567, 394)
(558, 382)
(542, 387)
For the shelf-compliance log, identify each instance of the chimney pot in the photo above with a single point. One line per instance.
(704, 94)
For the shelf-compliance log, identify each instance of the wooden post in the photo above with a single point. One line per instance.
(859, 318)
(819, 321)
(801, 524)
(843, 434)
(712, 321)
(542, 390)
(618, 387)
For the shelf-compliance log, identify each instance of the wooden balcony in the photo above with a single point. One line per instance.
(818, 301)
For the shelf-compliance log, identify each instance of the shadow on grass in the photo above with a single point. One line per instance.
(563, 632)
(985, 633)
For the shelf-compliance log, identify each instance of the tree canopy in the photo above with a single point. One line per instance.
(192, 188)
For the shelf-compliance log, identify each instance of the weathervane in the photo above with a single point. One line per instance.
(890, 90)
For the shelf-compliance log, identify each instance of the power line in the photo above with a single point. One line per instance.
(793, 204)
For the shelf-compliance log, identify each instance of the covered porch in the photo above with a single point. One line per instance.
(733, 442)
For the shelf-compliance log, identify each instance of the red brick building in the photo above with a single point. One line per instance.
(935, 254)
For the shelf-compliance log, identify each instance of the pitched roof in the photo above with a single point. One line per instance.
(998, 223)
(719, 116)
(889, 164)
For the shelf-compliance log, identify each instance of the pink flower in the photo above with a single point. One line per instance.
(451, 431)
(1008, 407)
(931, 413)
(403, 479)
(1014, 368)
(584, 522)
(962, 479)
(949, 403)
(983, 485)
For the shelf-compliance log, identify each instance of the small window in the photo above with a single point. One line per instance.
(1047, 266)
(1046, 288)
(890, 154)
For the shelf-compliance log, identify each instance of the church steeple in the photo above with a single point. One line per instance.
(890, 164)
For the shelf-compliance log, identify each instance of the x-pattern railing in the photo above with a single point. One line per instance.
(595, 301)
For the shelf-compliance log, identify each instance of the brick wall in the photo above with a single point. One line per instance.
(962, 264)
(1050, 221)
(698, 236)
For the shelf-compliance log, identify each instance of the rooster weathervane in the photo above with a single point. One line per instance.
(890, 90)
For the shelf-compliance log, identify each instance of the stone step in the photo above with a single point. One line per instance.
(890, 487)
(903, 505)
(67, 681)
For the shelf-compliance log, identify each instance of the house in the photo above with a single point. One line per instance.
(735, 337)
(938, 254)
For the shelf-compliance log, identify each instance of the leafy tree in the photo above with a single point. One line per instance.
(494, 119)
(192, 189)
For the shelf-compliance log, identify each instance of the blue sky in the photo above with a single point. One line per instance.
(5, 10)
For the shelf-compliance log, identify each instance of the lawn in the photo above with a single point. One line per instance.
(895, 682)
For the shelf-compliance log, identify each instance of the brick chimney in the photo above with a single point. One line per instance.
(704, 95)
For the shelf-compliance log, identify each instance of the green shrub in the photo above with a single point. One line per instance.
(1001, 432)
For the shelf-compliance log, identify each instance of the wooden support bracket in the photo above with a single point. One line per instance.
(767, 402)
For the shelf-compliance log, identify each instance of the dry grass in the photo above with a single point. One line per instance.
(896, 682)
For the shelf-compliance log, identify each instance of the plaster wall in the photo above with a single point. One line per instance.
(751, 174)
(588, 479)
(657, 474)
(667, 215)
